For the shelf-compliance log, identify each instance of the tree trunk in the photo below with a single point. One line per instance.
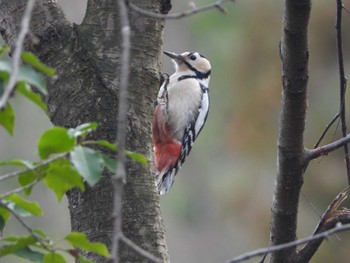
(87, 60)
(291, 153)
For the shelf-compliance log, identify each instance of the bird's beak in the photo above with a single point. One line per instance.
(178, 58)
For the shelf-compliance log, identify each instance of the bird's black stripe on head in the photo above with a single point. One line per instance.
(192, 52)
(199, 75)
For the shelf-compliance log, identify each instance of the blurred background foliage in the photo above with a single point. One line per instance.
(220, 203)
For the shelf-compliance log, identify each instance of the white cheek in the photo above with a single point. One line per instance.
(203, 65)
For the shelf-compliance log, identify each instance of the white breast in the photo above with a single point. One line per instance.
(184, 100)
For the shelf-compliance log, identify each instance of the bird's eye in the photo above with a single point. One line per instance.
(193, 57)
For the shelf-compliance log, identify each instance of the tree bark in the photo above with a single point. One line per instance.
(87, 60)
(291, 154)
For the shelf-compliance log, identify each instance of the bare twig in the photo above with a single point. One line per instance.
(326, 130)
(119, 178)
(17, 53)
(342, 82)
(46, 162)
(329, 219)
(346, 9)
(20, 189)
(329, 224)
(140, 250)
(216, 5)
(331, 210)
(338, 228)
(324, 150)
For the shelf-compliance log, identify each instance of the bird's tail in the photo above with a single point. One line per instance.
(166, 161)
(164, 180)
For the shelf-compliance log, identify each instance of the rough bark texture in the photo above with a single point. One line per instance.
(87, 60)
(291, 155)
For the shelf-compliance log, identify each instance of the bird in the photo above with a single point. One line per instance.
(180, 112)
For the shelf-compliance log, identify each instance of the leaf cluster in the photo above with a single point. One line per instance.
(67, 160)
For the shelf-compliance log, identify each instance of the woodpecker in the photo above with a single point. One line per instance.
(180, 113)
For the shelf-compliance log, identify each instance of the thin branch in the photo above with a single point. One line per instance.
(339, 227)
(20, 189)
(46, 162)
(324, 150)
(346, 9)
(331, 210)
(326, 130)
(342, 78)
(28, 228)
(216, 5)
(119, 178)
(17, 53)
(140, 250)
(329, 219)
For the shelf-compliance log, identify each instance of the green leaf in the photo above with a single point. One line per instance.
(82, 129)
(29, 177)
(19, 243)
(88, 163)
(25, 179)
(30, 254)
(4, 213)
(39, 232)
(79, 240)
(61, 179)
(2, 82)
(53, 258)
(2, 223)
(59, 162)
(106, 144)
(31, 59)
(19, 211)
(84, 260)
(7, 118)
(27, 74)
(31, 207)
(110, 163)
(4, 216)
(4, 48)
(18, 162)
(137, 157)
(27, 91)
(55, 140)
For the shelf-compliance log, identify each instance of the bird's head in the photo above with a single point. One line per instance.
(191, 61)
